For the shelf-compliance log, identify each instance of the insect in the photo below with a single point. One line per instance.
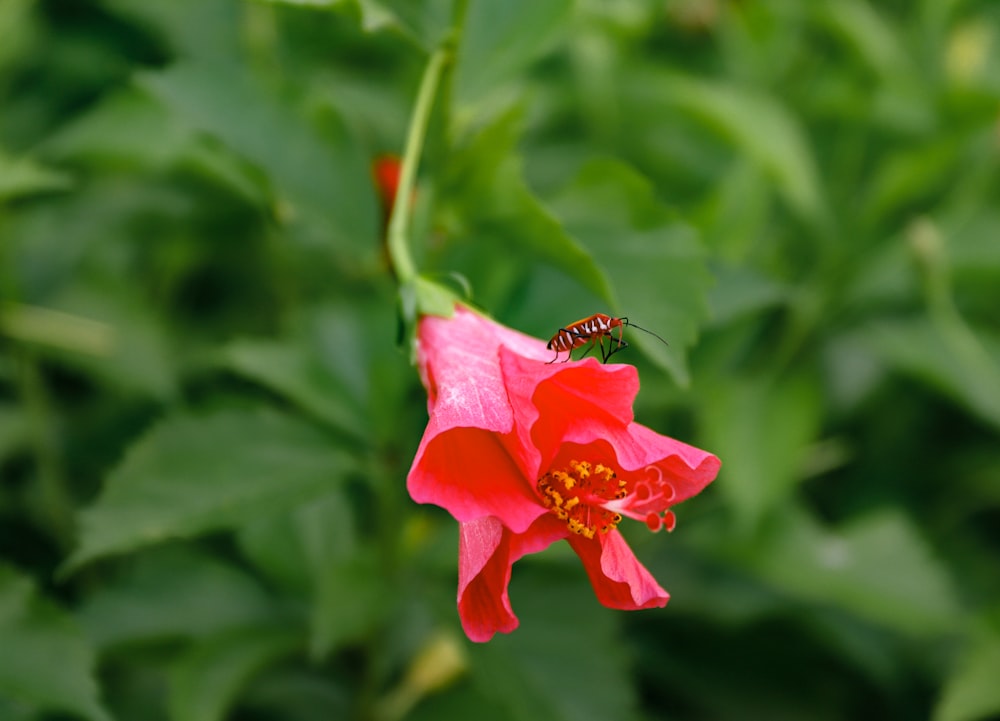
(591, 331)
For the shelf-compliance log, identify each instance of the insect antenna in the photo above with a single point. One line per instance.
(625, 321)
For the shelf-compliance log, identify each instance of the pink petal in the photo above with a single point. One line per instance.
(545, 531)
(619, 580)
(686, 468)
(461, 371)
(486, 552)
(470, 473)
(483, 575)
(574, 398)
(468, 461)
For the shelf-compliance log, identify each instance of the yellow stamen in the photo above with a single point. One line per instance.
(583, 490)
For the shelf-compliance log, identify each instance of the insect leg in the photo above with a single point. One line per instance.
(590, 347)
(605, 354)
(615, 348)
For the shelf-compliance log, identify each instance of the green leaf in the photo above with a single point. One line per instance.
(761, 427)
(740, 291)
(117, 129)
(63, 331)
(119, 337)
(874, 40)
(148, 604)
(500, 39)
(737, 214)
(293, 369)
(912, 174)
(484, 188)
(759, 126)
(315, 550)
(461, 701)
(15, 711)
(18, 22)
(339, 363)
(24, 176)
(209, 31)
(349, 594)
(425, 22)
(527, 674)
(972, 248)
(14, 430)
(207, 680)
(972, 692)
(320, 180)
(307, 3)
(948, 357)
(656, 264)
(189, 475)
(296, 694)
(272, 545)
(879, 567)
(46, 661)
(411, 18)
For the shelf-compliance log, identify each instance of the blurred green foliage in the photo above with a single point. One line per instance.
(206, 419)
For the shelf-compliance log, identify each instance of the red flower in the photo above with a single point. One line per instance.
(523, 453)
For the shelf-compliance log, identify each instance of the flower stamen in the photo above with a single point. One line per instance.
(579, 494)
(592, 499)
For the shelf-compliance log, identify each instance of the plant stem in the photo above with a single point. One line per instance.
(399, 223)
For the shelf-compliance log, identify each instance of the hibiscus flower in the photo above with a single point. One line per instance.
(524, 452)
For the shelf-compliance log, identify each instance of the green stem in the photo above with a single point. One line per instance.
(399, 224)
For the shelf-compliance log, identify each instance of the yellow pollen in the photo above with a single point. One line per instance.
(578, 493)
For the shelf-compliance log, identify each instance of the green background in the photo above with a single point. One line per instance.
(207, 413)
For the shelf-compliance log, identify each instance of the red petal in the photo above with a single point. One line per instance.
(483, 575)
(577, 400)
(470, 473)
(619, 580)
(686, 468)
(486, 551)
(543, 533)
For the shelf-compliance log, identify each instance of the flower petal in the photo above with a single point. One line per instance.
(688, 469)
(583, 398)
(470, 473)
(483, 575)
(461, 371)
(486, 552)
(468, 461)
(619, 580)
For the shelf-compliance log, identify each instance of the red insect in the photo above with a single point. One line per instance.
(591, 331)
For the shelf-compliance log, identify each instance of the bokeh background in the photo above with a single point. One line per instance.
(207, 408)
